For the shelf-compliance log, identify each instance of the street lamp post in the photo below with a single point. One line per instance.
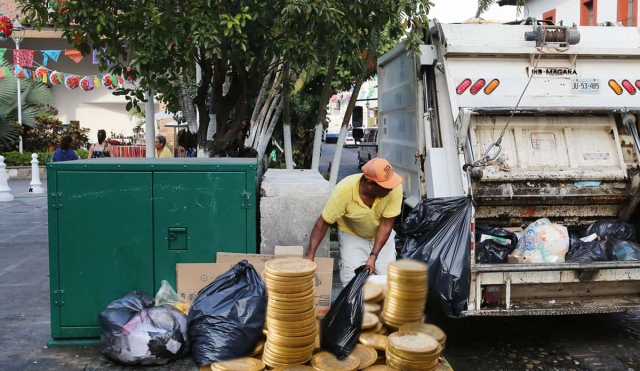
(17, 34)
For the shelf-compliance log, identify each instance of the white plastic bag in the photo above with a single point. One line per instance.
(167, 295)
(543, 242)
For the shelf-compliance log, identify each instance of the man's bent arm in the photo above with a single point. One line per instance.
(317, 234)
(384, 231)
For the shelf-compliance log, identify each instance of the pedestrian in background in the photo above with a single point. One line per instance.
(64, 152)
(100, 149)
(161, 147)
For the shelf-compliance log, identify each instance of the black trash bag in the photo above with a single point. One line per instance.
(619, 250)
(135, 332)
(227, 317)
(494, 250)
(438, 232)
(341, 327)
(584, 252)
(608, 228)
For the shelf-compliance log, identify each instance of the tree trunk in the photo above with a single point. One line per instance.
(259, 103)
(335, 164)
(322, 110)
(267, 108)
(186, 105)
(264, 142)
(286, 120)
(267, 119)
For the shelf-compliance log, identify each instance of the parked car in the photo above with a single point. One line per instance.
(349, 141)
(367, 143)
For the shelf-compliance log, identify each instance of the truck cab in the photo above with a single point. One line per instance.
(532, 121)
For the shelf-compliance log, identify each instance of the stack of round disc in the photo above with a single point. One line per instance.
(370, 322)
(325, 361)
(429, 329)
(239, 364)
(367, 356)
(291, 321)
(372, 308)
(293, 368)
(410, 350)
(406, 293)
(373, 293)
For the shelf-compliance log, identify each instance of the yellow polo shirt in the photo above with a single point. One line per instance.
(166, 153)
(347, 208)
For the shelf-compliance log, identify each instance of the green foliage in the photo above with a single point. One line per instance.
(48, 132)
(16, 158)
(231, 40)
(22, 159)
(35, 98)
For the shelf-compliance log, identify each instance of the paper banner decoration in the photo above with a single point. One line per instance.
(2, 51)
(75, 55)
(5, 27)
(53, 54)
(4, 72)
(56, 78)
(23, 57)
(41, 75)
(86, 83)
(97, 57)
(72, 81)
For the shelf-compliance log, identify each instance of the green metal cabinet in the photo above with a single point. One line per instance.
(122, 224)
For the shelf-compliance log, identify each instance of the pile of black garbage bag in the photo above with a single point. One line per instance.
(225, 322)
(604, 240)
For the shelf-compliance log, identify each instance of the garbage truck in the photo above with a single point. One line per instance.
(531, 120)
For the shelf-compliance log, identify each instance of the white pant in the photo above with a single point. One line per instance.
(354, 252)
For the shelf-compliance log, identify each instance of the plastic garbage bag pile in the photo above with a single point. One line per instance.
(546, 242)
(224, 322)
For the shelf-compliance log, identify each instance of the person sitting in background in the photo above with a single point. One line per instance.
(100, 149)
(161, 147)
(64, 152)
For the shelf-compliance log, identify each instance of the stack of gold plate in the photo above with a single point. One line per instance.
(427, 328)
(373, 293)
(376, 341)
(367, 356)
(372, 308)
(325, 361)
(370, 322)
(406, 293)
(239, 364)
(293, 368)
(291, 321)
(410, 350)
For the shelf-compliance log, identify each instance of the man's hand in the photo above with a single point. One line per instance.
(309, 256)
(371, 264)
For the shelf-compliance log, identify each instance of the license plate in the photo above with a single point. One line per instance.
(585, 86)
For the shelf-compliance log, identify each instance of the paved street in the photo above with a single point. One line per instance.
(348, 161)
(595, 342)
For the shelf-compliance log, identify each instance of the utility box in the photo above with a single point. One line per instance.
(117, 225)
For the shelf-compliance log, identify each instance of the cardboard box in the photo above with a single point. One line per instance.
(324, 275)
(192, 277)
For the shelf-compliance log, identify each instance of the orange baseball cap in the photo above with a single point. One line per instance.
(380, 171)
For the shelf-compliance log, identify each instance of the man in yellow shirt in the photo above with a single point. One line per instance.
(364, 206)
(161, 147)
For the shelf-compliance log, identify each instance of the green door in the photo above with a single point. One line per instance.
(197, 214)
(105, 245)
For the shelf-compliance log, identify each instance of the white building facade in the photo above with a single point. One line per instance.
(584, 12)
